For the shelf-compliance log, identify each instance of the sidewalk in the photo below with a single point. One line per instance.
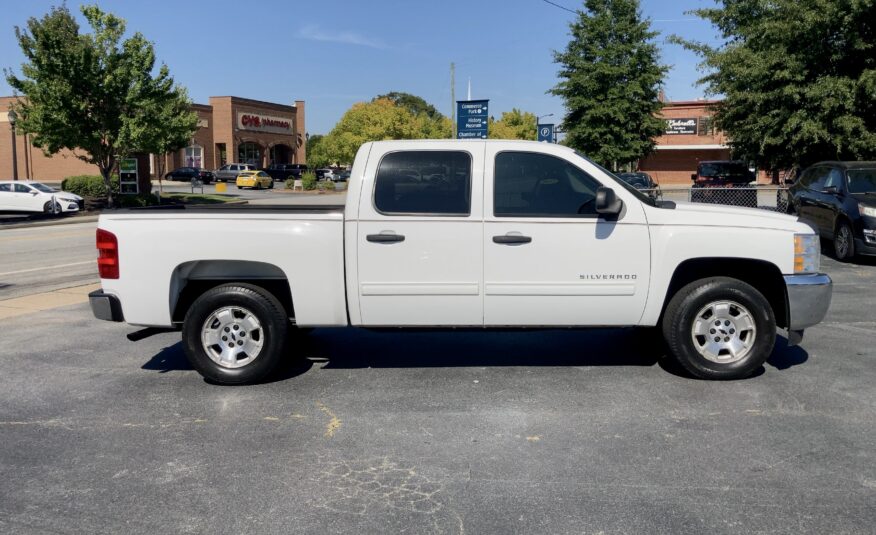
(28, 304)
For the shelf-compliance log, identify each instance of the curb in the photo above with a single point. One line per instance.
(82, 219)
(50, 223)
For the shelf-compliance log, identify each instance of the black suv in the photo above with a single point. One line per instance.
(838, 199)
(285, 171)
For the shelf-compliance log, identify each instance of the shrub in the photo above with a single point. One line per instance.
(141, 199)
(326, 185)
(308, 180)
(89, 185)
(290, 183)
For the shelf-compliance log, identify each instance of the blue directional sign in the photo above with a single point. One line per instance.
(471, 119)
(546, 132)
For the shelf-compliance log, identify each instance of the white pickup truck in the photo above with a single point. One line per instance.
(488, 234)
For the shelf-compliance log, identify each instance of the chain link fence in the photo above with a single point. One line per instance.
(774, 198)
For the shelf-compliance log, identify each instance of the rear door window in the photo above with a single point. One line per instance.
(6, 188)
(424, 182)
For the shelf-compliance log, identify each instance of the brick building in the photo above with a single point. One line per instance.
(690, 138)
(230, 129)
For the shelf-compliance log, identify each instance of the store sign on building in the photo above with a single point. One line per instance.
(264, 123)
(681, 126)
(472, 117)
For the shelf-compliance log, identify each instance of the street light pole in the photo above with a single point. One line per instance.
(12, 116)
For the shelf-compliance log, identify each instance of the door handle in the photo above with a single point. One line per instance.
(385, 238)
(511, 239)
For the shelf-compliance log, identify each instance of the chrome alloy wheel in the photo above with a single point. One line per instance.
(232, 337)
(723, 332)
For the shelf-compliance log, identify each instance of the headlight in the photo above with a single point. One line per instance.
(807, 253)
(69, 199)
(867, 210)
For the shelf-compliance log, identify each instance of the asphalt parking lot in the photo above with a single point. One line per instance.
(427, 432)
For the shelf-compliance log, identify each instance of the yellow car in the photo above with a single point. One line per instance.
(254, 180)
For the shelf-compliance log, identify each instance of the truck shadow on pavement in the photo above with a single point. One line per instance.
(349, 348)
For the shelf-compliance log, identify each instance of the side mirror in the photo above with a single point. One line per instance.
(34, 193)
(607, 202)
(832, 190)
(693, 177)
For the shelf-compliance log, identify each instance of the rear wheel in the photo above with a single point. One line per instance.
(843, 242)
(719, 328)
(235, 334)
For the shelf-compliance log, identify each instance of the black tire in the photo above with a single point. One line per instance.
(681, 315)
(239, 187)
(271, 185)
(47, 208)
(843, 242)
(273, 323)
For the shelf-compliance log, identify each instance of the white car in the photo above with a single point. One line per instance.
(18, 196)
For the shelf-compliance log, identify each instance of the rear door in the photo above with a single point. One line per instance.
(6, 202)
(549, 258)
(419, 236)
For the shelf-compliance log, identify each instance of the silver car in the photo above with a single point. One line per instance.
(229, 172)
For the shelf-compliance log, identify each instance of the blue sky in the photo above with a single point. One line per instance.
(333, 53)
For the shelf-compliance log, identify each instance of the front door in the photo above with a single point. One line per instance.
(419, 236)
(549, 258)
(28, 199)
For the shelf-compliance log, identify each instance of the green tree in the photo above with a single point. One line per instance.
(798, 79)
(375, 121)
(316, 157)
(95, 94)
(514, 124)
(610, 78)
(414, 104)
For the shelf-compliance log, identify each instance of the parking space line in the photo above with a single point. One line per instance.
(31, 270)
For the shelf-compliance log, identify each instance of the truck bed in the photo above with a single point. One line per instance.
(238, 208)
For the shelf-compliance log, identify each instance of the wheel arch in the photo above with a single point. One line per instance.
(764, 276)
(190, 280)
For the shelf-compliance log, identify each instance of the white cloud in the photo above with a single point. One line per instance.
(314, 33)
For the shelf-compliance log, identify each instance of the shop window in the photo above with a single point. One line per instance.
(194, 156)
(249, 153)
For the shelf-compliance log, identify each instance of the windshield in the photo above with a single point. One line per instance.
(862, 180)
(639, 195)
(41, 187)
(723, 169)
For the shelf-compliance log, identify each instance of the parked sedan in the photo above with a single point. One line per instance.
(254, 180)
(838, 199)
(642, 182)
(186, 174)
(17, 196)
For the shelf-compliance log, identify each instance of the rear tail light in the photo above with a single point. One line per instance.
(107, 255)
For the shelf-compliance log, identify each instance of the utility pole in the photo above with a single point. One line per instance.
(453, 97)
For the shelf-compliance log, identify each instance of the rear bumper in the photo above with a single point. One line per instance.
(808, 299)
(105, 307)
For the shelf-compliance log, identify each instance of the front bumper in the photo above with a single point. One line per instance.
(808, 301)
(105, 306)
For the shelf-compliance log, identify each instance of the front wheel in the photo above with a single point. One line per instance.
(843, 242)
(50, 208)
(235, 334)
(719, 328)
